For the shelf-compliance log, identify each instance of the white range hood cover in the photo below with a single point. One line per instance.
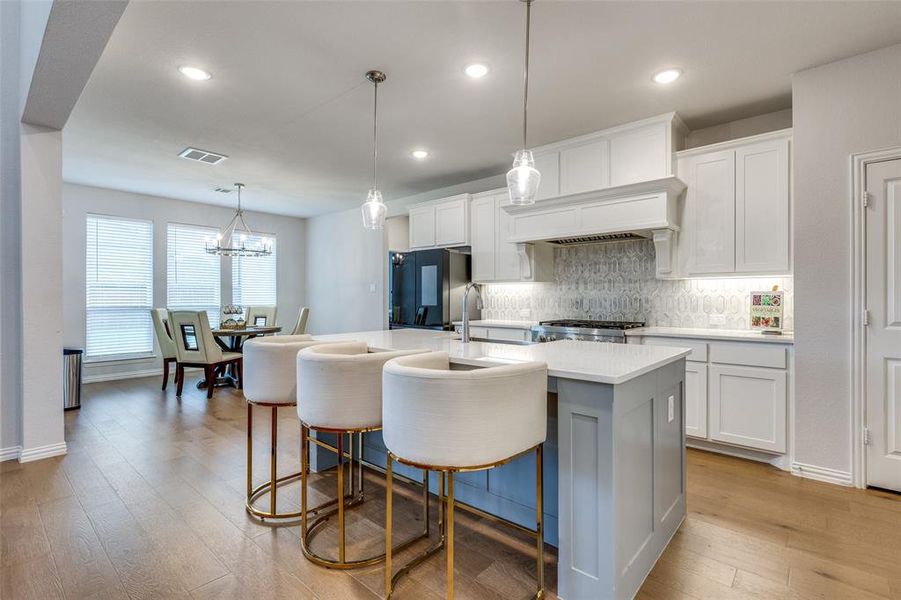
(635, 208)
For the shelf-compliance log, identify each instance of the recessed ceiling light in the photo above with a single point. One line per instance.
(420, 154)
(667, 75)
(195, 73)
(477, 70)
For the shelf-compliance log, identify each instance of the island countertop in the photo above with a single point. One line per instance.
(569, 359)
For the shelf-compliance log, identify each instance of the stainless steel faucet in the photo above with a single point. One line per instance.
(465, 329)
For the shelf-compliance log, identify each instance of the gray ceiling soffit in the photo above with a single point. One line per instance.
(76, 34)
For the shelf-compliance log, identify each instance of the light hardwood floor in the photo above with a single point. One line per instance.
(149, 504)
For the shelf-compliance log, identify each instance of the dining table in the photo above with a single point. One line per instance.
(231, 339)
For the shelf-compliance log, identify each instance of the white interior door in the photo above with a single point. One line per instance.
(883, 297)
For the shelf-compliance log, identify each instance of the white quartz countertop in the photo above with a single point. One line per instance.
(500, 323)
(569, 359)
(742, 335)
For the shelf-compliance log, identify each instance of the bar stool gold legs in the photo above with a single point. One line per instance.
(446, 508)
(312, 519)
(270, 487)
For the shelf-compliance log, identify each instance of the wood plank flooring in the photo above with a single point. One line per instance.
(149, 504)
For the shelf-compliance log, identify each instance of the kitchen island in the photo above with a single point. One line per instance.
(614, 459)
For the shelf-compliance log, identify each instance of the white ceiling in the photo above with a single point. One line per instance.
(288, 103)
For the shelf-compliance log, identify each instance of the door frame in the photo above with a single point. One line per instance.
(859, 163)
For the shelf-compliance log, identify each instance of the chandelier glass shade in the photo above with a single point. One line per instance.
(523, 178)
(237, 239)
(374, 209)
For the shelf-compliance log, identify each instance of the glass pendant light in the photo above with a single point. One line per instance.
(523, 178)
(374, 209)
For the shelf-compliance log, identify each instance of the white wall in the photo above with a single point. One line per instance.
(80, 200)
(845, 107)
(773, 121)
(347, 265)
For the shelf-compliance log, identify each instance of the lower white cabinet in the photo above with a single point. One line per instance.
(748, 406)
(695, 399)
(736, 392)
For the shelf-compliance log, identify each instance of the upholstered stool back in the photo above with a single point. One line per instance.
(270, 371)
(459, 419)
(340, 385)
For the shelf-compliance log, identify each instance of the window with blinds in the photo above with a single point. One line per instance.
(119, 288)
(193, 275)
(253, 277)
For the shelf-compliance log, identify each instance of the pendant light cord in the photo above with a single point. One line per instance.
(375, 139)
(525, 94)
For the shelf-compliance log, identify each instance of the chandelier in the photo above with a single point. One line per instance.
(237, 237)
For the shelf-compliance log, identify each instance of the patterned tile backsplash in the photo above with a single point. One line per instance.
(616, 281)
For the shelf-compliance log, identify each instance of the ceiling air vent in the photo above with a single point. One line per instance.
(597, 239)
(204, 156)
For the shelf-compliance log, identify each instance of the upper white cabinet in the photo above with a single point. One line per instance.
(493, 257)
(737, 212)
(631, 153)
(440, 223)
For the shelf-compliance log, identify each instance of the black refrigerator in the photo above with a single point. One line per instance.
(425, 289)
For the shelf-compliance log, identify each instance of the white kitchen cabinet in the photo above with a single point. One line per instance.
(585, 167)
(737, 213)
(483, 215)
(762, 207)
(640, 154)
(695, 399)
(440, 223)
(422, 227)
(747, 406)
(493, 258)
(710, 211)
(548, 164)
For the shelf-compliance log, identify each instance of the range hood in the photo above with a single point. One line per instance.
(644, 210)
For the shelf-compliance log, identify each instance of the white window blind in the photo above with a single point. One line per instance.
(193, 274)
(253, 277)
(119, 286)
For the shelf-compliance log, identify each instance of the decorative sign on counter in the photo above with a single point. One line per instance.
(767, 310)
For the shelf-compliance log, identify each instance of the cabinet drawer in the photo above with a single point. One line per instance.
(478, 332)
(751, 354)
(511, 335)
(698, 348)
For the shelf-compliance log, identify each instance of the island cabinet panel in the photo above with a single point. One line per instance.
(621, 480)
(748, 406)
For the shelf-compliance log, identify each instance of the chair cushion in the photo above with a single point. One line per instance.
(434, 416)
(270, 371)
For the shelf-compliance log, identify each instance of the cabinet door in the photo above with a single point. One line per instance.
(710, 208)
(584, 167)
(506, 262)
(638, 155)
(483, 228)
(762, 208)
(422, 227)
(452, 223)
(695, 399)
(747, 406)
(548, 165)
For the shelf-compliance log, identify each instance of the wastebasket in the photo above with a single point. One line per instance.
(72, 378)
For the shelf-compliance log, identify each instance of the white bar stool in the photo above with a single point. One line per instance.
(340, 392)
(456, 421)
(270, 380)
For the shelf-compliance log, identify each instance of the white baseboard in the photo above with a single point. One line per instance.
(134, 375)
(41, 452)
(822, 474)
(10, 453)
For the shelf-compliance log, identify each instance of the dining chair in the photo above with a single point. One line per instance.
(261, 316)
(195, 346)
(300, 327)
(160, 317)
